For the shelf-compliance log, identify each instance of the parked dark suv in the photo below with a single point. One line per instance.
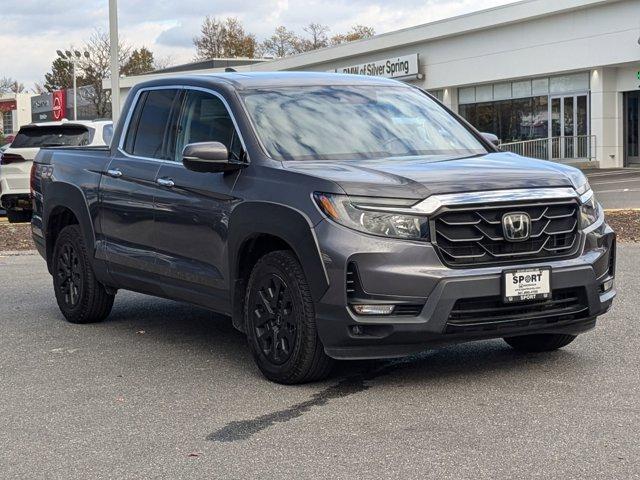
(331, 216)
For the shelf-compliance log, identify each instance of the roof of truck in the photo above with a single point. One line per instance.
(279, 79)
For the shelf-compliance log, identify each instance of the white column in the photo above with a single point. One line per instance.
(115, 67)
(606, 117)
(450, 98)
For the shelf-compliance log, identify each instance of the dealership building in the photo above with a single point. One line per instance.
(15, 111)
(553, 79)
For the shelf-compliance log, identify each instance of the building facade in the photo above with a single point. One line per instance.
(15, 111)
(553, 79)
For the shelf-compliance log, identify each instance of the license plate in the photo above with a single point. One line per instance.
(526, 284)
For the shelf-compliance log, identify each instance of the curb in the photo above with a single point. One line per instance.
(18, 253)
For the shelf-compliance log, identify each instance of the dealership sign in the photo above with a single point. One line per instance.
(59, 108)
(395, 67)
(49, 106)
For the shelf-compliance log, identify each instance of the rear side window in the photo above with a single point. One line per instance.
(52, 136)
(149, 130)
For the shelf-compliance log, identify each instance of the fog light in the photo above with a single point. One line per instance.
(608, 285)
(373, 309)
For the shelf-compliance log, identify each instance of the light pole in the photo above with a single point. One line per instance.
(73, 59)
(115, 68)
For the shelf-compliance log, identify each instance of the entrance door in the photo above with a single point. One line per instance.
(632, 129)
(569, 127)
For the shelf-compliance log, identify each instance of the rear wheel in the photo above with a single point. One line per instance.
(280, 322)
(81, 298)
(18, 216)
(545, 342)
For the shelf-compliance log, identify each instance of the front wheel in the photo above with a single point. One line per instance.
(544, 342)
(280, 322)
(81, 298)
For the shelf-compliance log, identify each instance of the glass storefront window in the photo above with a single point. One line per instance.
(502, 91)
(510, 120)
(7, 122)
(574, 82)
(540, 86)
(521, 89)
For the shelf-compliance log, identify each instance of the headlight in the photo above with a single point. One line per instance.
(590, 210)
(359, 213)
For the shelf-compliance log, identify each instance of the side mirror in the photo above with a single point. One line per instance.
(491, 138)
(209, 157)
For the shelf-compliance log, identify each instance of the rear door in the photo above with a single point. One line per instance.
(128, 187)
(192, 208)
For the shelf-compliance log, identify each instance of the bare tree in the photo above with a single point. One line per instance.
(38, 88)
(316, 37)
(224, 38)
(282, 43)
(357, 32)
(96, 68)
(163, 62)
(11, 85)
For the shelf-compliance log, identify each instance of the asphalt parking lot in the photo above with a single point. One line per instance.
(165, 390)
(616, 188)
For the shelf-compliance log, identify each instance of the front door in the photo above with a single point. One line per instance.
(632, 129)
(192, 208)
(128, 187)
(569, 127)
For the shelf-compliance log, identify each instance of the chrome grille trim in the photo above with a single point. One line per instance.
(468, 236)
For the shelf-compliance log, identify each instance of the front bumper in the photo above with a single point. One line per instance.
(411, 273)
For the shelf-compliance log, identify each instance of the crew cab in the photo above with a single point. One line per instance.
(330, 216)
(17, 159)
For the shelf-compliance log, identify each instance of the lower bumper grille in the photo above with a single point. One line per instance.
(470, 237)
(490, 313)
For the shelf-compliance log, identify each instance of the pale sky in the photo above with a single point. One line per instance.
(32, 30)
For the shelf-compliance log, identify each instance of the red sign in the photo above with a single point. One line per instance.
(59, 105)
(8, 105)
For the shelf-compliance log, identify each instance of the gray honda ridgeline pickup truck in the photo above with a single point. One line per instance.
(331, 216)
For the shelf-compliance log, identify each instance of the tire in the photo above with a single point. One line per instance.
(280, 322)
(18, 216)
(545, 342)
(81, 298)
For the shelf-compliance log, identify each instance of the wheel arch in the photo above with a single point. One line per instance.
(256, 228)
(66, 205)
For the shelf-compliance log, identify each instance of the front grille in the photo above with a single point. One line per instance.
(490, 313)
(470, 237)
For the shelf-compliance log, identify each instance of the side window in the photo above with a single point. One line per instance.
(205, 119)
(149, 131)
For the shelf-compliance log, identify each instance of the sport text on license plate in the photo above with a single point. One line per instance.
(526, 284)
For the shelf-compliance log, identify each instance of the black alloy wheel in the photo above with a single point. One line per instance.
(273, 321)
(80, 296)
(280, 321)
(69, 275)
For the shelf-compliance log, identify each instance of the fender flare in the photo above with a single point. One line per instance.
(70, 197)
(250, 219)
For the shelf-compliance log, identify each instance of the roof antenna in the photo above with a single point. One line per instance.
(229, 69)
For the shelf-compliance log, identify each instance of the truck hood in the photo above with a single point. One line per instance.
(420, 177)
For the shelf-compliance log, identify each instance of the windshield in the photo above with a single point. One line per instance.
(355, 122)
(51, 136)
